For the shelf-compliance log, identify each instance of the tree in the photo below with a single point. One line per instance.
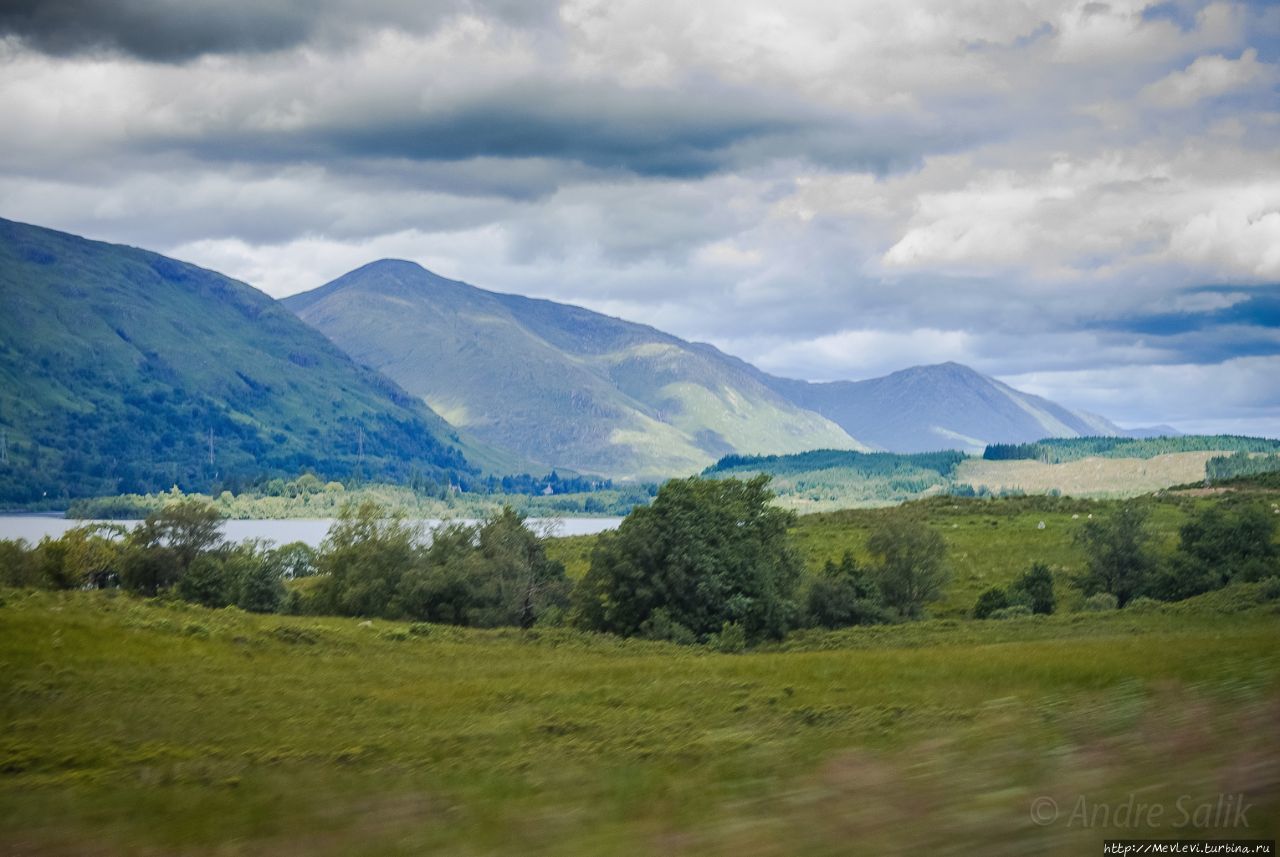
(843, 595)
(1218, 546)
(911, 570)
(1036, 586)
(159, 551)
(706, 552)
(518, 582)
(362, 560)
(1117, 560)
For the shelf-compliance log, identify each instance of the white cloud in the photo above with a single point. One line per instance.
(1209, 77)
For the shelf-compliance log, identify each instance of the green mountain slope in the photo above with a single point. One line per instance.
(120, 367)
(556, 384)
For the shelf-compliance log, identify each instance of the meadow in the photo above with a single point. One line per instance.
(989, 541)
(152, 727)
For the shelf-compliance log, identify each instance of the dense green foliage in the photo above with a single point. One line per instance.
(1240, 464)
(911, 568)
(1226, 542)
(1058, 450)
(493, 574)
(707, 553)
(1033, 591)
(120, 369)
(1118, 559)
(306, 497)
(843, 595)
(882, 464)
(846, 478)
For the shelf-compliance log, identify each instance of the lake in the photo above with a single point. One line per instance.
(311, 531)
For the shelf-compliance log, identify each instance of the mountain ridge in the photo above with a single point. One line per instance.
(624, 370)
(125, 370)
(933, 407)
(558, 384)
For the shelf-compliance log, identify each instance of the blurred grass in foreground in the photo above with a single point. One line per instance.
(134, 727)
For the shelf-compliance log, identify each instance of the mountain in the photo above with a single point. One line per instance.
(1151, 431)
(555, 384)
(946, 406)
(124, 370)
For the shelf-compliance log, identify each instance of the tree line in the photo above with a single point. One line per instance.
(1056, 450)
(1228, 542)
(709, 561)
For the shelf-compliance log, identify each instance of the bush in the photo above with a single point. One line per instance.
(1221, 545)
(660, 626)
(1101, 602)
(989, 602)
(731, 640)
(843, 595)
(206, 582)
(1143, 604)
(1036, 587)
(708, 552)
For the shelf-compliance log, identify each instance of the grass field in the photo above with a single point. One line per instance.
(137, 727)
(1087, 477)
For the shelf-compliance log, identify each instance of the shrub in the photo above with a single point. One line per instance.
(206, 582)
(989, 602)
(1017, 611)
(1036, 587)
(731, 640)
(1220, 545)
(843, 595)
(1100, 602)
(1143, 604)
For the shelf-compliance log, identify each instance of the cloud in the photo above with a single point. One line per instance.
(1210, 77)
(161, 31)
(833, 190)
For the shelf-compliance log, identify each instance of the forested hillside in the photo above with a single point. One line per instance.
(1058, 450)
(125, 371)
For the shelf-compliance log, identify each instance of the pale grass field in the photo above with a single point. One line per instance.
(1088, 477)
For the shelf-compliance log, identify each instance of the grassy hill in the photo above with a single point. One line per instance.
(118, 366)
(143, 727)
(554, 384)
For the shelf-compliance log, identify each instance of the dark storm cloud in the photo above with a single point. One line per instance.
(167, 31)
(687, 133)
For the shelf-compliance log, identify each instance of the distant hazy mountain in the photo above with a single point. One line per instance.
(1151, 431)
(119, 368)
(947, 406)
(555, 384)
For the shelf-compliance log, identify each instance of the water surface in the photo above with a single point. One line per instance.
(309, 530)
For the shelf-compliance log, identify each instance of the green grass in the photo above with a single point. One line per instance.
(142, 727)
(989, 542)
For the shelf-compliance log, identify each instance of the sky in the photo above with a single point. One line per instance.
(1079, 198)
